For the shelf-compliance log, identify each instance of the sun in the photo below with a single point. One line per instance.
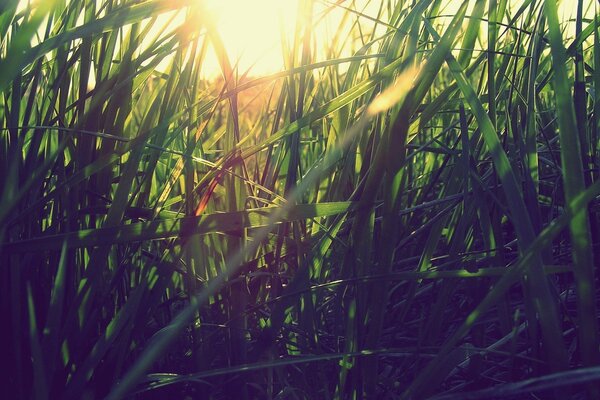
(252, 33)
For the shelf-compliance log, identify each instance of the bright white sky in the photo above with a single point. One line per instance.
(251, 32)
(252, 29)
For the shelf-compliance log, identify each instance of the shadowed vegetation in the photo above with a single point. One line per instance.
(410, 209)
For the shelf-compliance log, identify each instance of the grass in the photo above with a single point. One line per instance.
(410, 209)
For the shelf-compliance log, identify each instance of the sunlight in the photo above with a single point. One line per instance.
(251, 32)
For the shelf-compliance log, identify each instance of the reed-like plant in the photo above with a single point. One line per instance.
(409, 209)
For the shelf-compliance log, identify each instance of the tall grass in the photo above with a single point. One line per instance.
(408, 210)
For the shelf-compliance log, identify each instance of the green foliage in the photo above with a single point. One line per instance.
(416, 217)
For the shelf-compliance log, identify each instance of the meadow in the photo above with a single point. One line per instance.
(409, 208)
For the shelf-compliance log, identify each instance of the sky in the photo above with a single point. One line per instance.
(251, 32)
(251, 29)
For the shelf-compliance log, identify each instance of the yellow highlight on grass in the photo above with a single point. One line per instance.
(395, 93)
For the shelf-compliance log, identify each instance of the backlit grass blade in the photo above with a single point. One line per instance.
(554, 344)
(574, 184)
(21, 55)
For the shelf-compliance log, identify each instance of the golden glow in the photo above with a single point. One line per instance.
(251, 31)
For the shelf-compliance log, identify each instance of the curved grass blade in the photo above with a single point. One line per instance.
(574, 184)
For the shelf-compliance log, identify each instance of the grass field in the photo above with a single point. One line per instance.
(409, 208)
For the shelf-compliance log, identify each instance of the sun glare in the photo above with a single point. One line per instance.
(252, 31)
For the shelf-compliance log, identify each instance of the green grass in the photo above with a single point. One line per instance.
(411, 211)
